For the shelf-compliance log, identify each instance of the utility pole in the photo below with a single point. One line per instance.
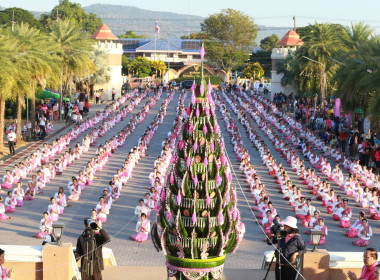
(294, 22)
(57, 15)
(168, 50)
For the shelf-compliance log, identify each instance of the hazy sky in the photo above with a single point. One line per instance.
(269, 12)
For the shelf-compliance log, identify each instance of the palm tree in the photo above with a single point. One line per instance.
(322, 42)
(8, 75)
(38, 61)
(74, 49)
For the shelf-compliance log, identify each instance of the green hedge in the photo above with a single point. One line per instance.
(213, 79)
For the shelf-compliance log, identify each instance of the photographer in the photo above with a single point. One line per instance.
(291, 245)
(89, 250)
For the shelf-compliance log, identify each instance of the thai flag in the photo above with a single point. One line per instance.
(157, 28)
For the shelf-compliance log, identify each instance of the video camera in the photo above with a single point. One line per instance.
(90, 224)
(277, 230)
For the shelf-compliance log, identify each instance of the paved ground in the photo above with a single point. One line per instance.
(121, 223)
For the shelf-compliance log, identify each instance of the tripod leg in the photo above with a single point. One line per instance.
(270, 265)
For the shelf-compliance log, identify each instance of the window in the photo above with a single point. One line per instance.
(182, 56)
(170, 55)
(196, 56)
(148, 54)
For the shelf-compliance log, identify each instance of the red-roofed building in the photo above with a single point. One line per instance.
(288, 44)
(104, 34)
(291, 39)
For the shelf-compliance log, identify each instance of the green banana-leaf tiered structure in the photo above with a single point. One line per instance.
(198, 222)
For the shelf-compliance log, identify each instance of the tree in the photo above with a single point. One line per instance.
(74, 13)
(126, 65)
(38, 62)
(253, 71)
(102, 73)
(199, 36)
(20, 15)
(141, 66)
(198, 222)
(231, 35)
(269, 43)
(159, 66)
(8, 75)
(264, 59)
(131, 34)
(74, 50)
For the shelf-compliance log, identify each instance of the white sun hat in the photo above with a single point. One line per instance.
(290, 222)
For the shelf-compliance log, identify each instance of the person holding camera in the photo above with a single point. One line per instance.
(89, 250)
(291, 245)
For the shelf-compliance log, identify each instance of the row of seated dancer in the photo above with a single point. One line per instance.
(111, 193)
(35, 186)
(303, 208)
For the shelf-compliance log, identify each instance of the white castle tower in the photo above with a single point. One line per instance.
(107, 41)
(289, 43)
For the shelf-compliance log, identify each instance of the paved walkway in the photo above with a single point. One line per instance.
(121, 221)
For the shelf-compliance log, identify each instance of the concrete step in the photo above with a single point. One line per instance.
(159, 273)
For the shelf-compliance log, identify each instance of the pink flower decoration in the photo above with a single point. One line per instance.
(209, 87)
(204, 129)
(223, 159)
(216, 129)
(179, 198)
(188, 111)
(220, 218)
(195, 146)
(188, 161)
(194, 218)
(205, 161)
(195, 180)
(213, 109)
(218, 180)
(193, 98)
(197, 112)
(171, 179)
(230, 177)
(191, 128)
(180, 144)
(193, 86)
(162, 195)
(202, 89)
(173, 159)
(207, 111)
(222, 144)
(227, 198)
(235, 215)
(209, 98)
(212, 146)
(202, 52)
(208, 200)
(168, 215)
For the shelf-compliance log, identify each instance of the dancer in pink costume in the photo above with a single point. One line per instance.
(142, 229)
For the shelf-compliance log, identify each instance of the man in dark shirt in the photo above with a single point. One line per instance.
(291, 246)
(89, 250)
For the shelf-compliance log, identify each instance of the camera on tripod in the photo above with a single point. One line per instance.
(90, 224)
(278, 230)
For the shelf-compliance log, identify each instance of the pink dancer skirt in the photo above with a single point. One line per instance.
(40, 235)
(9, 209)
(28, 197)
(3, 217)
(140, 237)
(352, 233)
(361, 243)
(102, 219)
(6, 186)
(345, 224)
(336, 217)
(73, 197)
(20, 203)
(53, 218)
(300, 217)
(88, 182)
(374, 216)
